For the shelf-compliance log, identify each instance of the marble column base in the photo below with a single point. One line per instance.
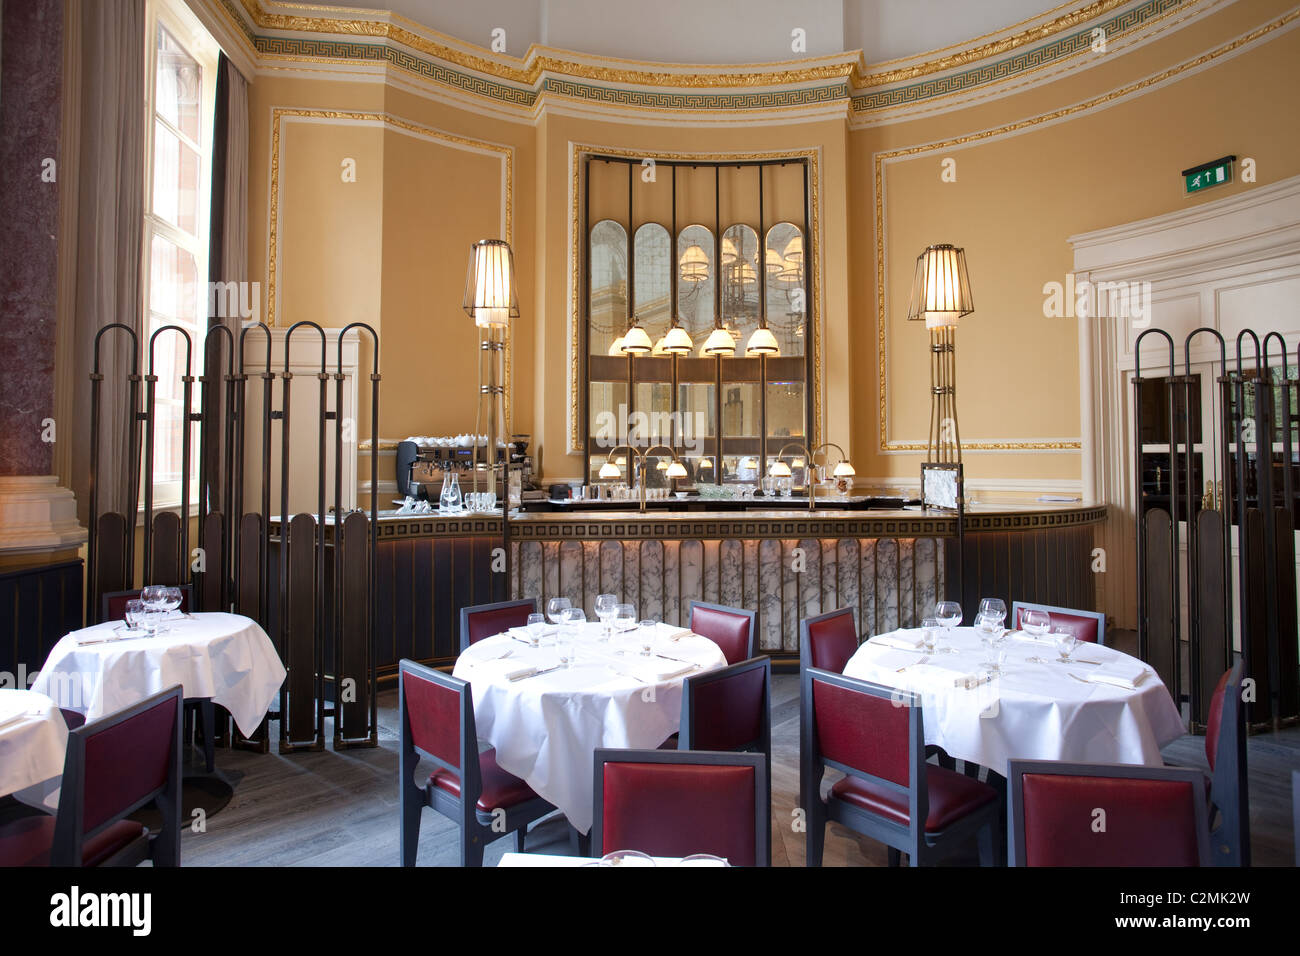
(37, 516)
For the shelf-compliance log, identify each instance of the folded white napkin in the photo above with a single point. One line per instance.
(501, 669)
(524, 634)
(894, 660)
(654, 669)
(1126, 674)
(903, 640)
(671, 632)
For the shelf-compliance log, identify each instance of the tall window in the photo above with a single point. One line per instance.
(178, 159)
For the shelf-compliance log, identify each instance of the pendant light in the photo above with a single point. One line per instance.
(762, 341)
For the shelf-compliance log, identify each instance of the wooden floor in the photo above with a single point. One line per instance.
(340, 809)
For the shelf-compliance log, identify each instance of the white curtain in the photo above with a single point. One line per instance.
(110, 228)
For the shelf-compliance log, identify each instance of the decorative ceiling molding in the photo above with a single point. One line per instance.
(290, 37)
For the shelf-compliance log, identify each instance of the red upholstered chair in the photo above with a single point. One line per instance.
(1089, 626)
(876, 736)
(828, 640)
(731, 628)
(1225, 751)
(730, 709)
(437, 722)
(486, 620)
(679, 802)
(1154, 816)
(113, 767)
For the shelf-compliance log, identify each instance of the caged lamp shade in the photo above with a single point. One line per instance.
(490, 297)
(941, 287)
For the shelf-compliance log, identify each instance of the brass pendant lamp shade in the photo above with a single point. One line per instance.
(490, 296)
(940, 288)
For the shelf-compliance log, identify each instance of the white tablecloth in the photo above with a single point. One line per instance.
(33, 742)
(547, 728)
(227, 657)
(1032, 711)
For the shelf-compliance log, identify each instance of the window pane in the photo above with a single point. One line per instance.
(608, 292)
(173, 281)
(179, 88)
(175, 180)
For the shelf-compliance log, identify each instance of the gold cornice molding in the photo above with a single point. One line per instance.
(505, 154)
(849, 66)
(577, 388)
(879, 160)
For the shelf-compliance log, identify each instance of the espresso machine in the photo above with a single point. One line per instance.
(521, 461)
(421, 467)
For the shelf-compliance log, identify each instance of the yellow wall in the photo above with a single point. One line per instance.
(392, 247)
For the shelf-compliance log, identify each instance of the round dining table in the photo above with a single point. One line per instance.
(1102, 707)
(226, 657)
(546, 720)
(33, 743)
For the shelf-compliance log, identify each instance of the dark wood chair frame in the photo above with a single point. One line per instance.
(805, 648)
(163, 847)
(739, 612)
(763, 743)
(465, 613)
(476, 826)
(762, 791)
(1030, 606)
(921, 847)
(1016, 770)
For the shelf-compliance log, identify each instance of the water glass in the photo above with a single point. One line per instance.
(135, 615)
(646, 632)
(930, 629)
(995, 655)
(1064, 643)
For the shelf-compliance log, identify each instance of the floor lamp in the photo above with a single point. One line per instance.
(940, 296)
(491, 301)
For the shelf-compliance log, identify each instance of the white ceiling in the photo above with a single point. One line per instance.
(721, 31)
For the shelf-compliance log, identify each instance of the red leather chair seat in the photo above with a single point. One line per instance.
(952, 795)
(27, 842)
(500, 788)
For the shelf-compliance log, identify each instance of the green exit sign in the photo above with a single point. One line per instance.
(1208, 174)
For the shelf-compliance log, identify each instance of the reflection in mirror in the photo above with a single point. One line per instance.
(650, 292)
(696, 280)
(740, 281)
(608, 292)
(786, 291)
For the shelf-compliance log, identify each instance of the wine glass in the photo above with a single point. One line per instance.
(536, 625)
(1064, 643)
(1036, 624)
(994, 607)
(948, 614)
(172, 599)
(555, 609)
(606, 605)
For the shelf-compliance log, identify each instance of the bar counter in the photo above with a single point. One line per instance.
(890, 565)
